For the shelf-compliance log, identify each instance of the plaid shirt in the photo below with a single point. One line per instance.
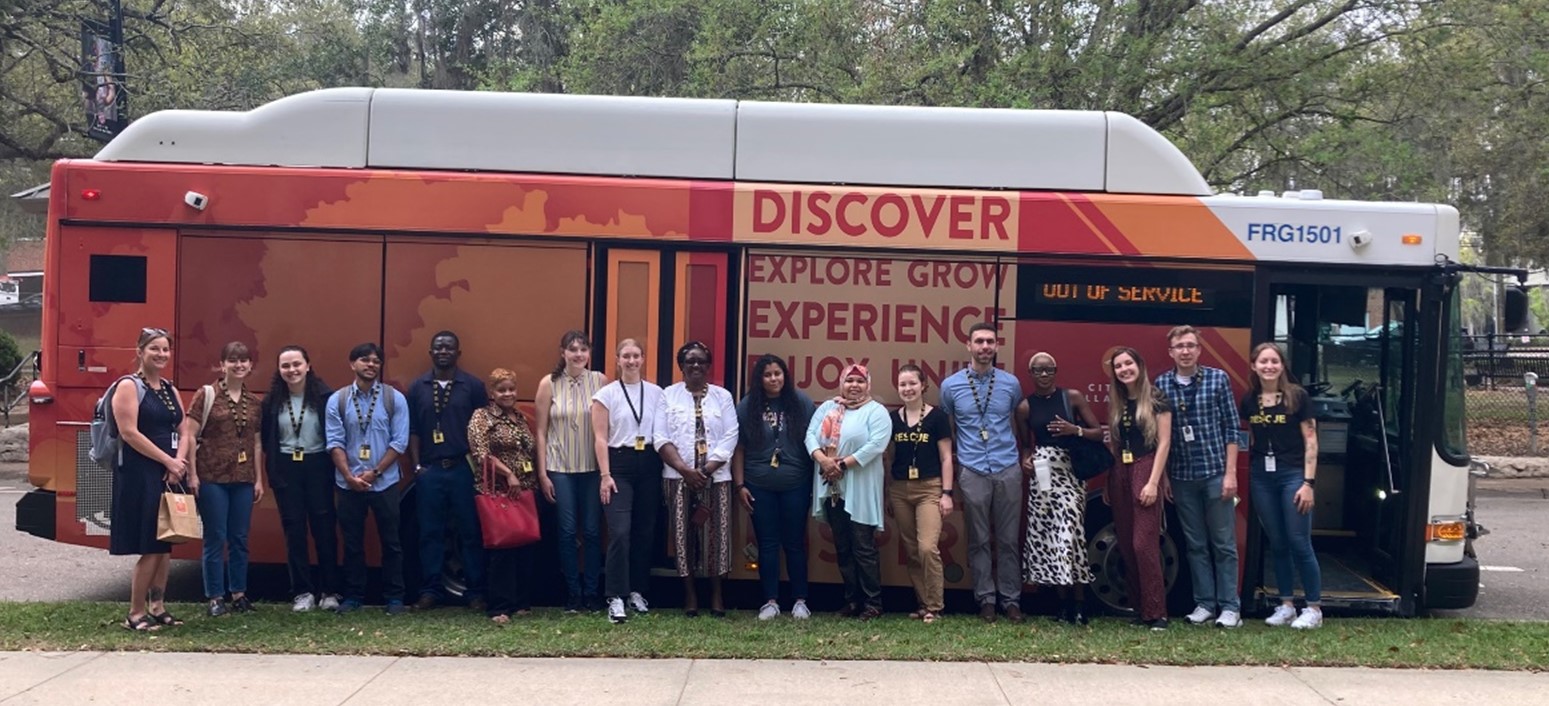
(1207, 406)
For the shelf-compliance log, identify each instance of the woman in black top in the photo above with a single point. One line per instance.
(302, 477)
(1140, 425)
(772, 475)
(920, 490)
(1054, 549)
(1285, 464)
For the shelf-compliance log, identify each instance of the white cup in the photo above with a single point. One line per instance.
(1041, 471)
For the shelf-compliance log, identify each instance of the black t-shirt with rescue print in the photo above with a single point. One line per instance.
(1274, 428)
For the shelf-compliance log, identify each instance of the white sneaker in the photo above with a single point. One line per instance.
(329, 602)
(1229, 619)
(770, 611)
(638, 604)
(1308, 620)
(616, 612)
(1283, 616)
(799, 611)
(1200, 616)
(303, 603)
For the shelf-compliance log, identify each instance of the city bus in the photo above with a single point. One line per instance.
(826, 234)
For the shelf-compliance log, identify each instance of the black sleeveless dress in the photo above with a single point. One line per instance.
(138, 485)
(1054, 551)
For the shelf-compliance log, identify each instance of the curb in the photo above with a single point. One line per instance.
(1515, 466)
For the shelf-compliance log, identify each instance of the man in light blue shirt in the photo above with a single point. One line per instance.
(368, 429)
(982, 401)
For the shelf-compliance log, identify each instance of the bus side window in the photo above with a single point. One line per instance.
(118, 279)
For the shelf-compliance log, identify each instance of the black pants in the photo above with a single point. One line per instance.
(509, 576)
(352, 524)
(631, 515)
(304, 491)
(859, 565)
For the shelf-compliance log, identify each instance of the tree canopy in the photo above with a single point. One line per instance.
(1369, 99)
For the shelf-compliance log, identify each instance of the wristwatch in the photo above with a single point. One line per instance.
(843, 466)
(1311, 482)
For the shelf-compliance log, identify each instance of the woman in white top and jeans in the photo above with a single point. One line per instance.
(623, 420)
(696, 435)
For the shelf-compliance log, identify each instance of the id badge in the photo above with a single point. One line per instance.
(1127, 457)
(436, 437)
(914, 473)
(774, 461)
(1188, 433)
(241, 457)
(639, 443)
(527, 466)
(365, 452)
(703, 448)
(174, 441)
(1269, 464)
(984, 434)
(298, 456)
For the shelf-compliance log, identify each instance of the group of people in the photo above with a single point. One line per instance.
(621, 451)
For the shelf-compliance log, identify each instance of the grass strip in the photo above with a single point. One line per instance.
(273, 629)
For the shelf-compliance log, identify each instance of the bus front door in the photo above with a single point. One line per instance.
(1353, 348)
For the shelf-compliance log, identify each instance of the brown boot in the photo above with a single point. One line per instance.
(987, 612)
(1014, 612)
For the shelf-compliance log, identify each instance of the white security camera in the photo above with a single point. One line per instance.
(1360, 239)
(196, 200)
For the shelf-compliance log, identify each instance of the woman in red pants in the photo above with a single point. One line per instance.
(1140, 421)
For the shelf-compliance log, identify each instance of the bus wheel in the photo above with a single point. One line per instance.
(1107, 564)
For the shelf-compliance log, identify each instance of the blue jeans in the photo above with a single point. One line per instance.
(580, 511)
(1289, 531)
(780, 520)
(1209, 527)
(226, 510)
(442, 491)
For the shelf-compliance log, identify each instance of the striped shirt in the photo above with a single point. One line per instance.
(569, 433)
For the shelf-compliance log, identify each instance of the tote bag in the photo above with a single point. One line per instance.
(506, 522)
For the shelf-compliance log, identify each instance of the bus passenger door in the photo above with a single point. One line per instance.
(664, 299)
(1353, 348)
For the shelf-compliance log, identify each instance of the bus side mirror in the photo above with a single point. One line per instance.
(1514, 309)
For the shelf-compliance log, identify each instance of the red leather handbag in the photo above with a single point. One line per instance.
(507, 522)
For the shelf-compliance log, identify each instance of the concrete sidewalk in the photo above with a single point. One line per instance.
(231, 680)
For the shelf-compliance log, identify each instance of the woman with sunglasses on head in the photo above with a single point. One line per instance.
(772, 475)
(227, 454)
(148, 413)
(1284, 450)
(567, 466)
(1140, 421)
(696, 435)
(301, 475)
(920, 490)
(1054, 553)
(847, 439)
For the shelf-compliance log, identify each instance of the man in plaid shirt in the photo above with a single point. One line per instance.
(1202, 475)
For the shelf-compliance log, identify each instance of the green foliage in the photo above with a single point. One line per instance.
(10, 353)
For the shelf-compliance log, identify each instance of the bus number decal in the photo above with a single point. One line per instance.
(1295, 233)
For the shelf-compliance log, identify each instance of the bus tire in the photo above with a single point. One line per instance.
(1108, 577)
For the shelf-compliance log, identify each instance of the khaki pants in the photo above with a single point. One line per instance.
(916, 506)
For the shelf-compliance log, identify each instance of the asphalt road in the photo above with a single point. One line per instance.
(1515, 555)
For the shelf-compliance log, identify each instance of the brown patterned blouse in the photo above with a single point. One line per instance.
(225, 453)
(509, 438)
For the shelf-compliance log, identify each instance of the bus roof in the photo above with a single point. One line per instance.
(1076, 151)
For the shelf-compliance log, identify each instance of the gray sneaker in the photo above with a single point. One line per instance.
(616, 612)
(329, 602)
(800, 611)
(303, 603)
(770, 611)
(638, 604)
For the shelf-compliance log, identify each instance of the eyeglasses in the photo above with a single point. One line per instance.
(372, 360)
(1041, 370)
(1185, 346)
(148, 331)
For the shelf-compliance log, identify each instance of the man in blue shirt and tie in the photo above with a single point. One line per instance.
(981, 400)
(367, 430)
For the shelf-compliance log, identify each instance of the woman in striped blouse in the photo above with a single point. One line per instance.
(567, 466)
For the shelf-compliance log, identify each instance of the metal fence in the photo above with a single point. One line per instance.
(1506, 413)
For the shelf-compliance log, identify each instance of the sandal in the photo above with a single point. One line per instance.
(500, 619)
(165, 618)
(144, 623)
(918, 614)
(927, 617)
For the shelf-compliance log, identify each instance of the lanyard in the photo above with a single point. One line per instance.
(437, 401)
(639, 414)
(983, 405)
(363, 417)
(295, 421)
(238, 409)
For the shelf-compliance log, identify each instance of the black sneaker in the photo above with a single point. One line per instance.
(242, 605)
(572, 605)
(1157, 625)
(595, 604)
(218, 607)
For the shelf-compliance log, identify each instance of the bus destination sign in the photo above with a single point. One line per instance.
(1122, 295)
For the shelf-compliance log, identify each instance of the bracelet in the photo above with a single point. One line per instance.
(1311, 482)
(738, 487)
(843, 466)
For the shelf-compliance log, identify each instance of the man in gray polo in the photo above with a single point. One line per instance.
(981, 400)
